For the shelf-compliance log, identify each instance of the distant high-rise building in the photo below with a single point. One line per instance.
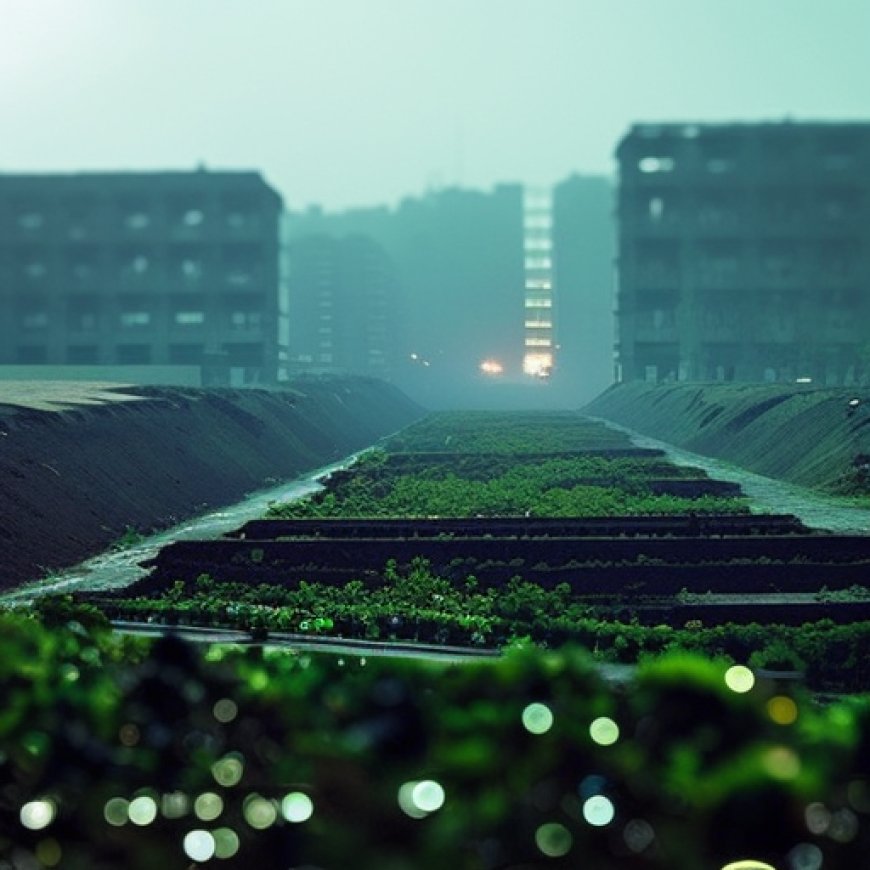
(344, 299)
(156, 268)
(744, 252)
(485, 278)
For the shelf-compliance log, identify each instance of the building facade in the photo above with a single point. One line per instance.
(162, 268)
(344, 300)
(744, 252)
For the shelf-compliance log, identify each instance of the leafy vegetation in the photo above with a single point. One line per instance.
(114, 753)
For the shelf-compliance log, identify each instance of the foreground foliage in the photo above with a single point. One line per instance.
(113, 758)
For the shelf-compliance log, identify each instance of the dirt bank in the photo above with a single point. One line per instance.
(796, 433)
(74, 478)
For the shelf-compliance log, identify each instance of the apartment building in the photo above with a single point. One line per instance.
(156, 268)
(744, 252)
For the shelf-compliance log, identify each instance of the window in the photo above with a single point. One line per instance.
(185, 354)
(31, 354)
(538, 263)
(325, 357)
(538, 342)
(538, 245)
(538, 284)
(135, 318)
(133, 354)
(656, 209)
(191, 269)
(245, 319)
(656, 164)
(137, 220)
(539, 303)
(139, 264)
(189, 318)
(34, 320)
(31, 220)
(193, 217)
(82, 354)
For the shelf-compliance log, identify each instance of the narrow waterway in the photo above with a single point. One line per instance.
(815, 509)
(116, 569)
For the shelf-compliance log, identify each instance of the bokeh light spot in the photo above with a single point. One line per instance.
(37, 815)
(115, 811)
(638, 835)
(748, 864)
(228, 771)
(297, 807)
(48, 852)
(537, 718)
(598, 811)
(805, 856)
(199, 845)
(817, 817)
(554, 840)
(782, 710)
(739, 679)
(406, 801)
(208, 806)
(781, 763)
(604, 731)
(428, 796)
(174, 804)
(142, 810)
(225, 710)
(226, 843)
(129, 734)
(259, 813)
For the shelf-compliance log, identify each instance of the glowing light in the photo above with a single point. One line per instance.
(748, 864)
(739, 679)
(115, 811)
(805, 856)
(491, 367)
(297, 807)
(782, 710)
(228, 771)
(554, 840)
(818, 818)
(428, 796)
(598, 811)
(142, 810)
(259, 813)
(199, 845)
(638, 835)
(208, 806)
(537, 718)
(226, 843)
(174, 804)
(406, 801)
(781, 763)
(604, 731)
(537, 364)
(37, 815)
(48, 852)
(225, 710)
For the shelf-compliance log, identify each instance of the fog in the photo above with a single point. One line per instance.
(343, 103)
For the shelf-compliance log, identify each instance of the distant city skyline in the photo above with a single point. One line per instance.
(343, 103)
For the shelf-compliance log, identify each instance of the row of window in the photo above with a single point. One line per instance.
(89, 321)
(141, 354)
(140, 268)
(722, 164)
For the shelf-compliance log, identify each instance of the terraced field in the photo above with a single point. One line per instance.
(481, 528)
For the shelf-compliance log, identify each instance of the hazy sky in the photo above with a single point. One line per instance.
(348, 102)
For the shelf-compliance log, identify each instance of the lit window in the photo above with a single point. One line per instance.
(719, 165)
(189, 318)
(191, 269)
(135, 318)
(656, 164)
(31, 221)
(539, 324)
(35, 271)
(539, 342)
(139, 265)
(137, 220)
(192, 217)
(538, 222)
(245, 319)
(538, 263)
(539, 303)
(35, 320)
(538, 245)
(238, 278)
(538, 284)
(656, 209)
